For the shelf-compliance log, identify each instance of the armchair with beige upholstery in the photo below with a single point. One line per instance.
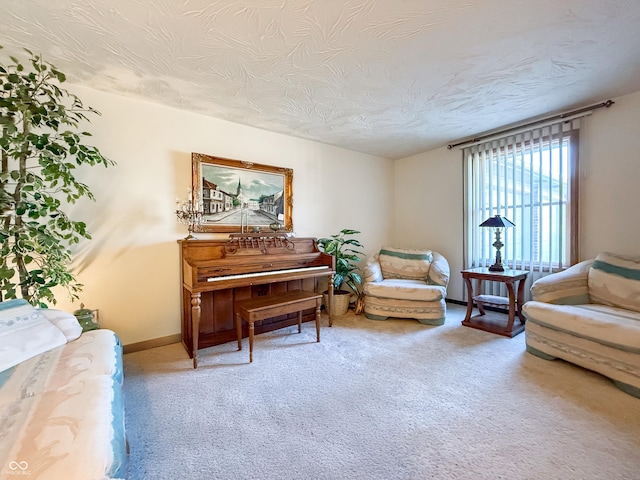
(403, 283)
(589, 314)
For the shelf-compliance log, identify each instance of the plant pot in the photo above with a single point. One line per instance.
(340, 303)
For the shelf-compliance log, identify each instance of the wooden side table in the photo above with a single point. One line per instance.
(491, 321)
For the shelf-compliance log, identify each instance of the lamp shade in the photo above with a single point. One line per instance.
(497, 222)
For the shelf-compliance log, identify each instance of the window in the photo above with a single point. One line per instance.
(531, 179)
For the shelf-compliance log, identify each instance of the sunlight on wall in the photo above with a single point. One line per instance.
(130, 270)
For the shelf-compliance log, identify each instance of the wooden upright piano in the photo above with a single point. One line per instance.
(215, 273)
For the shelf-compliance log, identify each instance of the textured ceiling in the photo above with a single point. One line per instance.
(388, 77)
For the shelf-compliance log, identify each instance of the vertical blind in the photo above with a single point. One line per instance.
(529, 177)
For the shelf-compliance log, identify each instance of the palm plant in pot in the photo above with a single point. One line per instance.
(346, 251)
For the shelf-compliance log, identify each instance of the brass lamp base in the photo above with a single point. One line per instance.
(497, 265)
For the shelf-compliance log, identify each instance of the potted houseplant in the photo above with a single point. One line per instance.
(345, 249)
(41, 147)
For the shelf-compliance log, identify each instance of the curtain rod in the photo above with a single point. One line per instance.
(606, 104)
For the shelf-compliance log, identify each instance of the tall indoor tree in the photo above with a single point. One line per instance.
(42, 145)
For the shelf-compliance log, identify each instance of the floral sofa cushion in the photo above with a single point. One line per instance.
(62, 412)
(611, 326)
(406, 290)
(615, 280)
(404, 263)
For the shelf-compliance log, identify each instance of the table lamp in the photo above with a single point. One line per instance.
(498, 223)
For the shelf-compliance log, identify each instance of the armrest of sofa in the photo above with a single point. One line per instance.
(372, 270)
(569, 287)
(439, 272)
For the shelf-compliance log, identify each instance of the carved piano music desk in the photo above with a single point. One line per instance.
(216, 273)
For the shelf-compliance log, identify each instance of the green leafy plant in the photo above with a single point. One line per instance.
(347, 253)
(41, 148)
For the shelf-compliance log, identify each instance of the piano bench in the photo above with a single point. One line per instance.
(259, 308)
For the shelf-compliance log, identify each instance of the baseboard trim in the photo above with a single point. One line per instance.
(486, 307)
(153, 343)
(177, 338)
(456, 302)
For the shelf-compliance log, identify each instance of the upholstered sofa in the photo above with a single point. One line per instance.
(61, 399)
(406, 283)
(589, 315)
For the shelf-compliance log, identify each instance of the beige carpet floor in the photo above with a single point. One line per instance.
(376, 400)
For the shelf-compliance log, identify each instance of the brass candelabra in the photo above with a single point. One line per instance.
(190, 212)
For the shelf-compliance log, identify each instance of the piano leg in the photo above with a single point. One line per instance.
(195, 325)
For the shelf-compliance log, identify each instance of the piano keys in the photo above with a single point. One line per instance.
(215, 273)
(262, 274)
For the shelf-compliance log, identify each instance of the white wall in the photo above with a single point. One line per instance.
(610, 165)
(610, 192)
(428, 207)
(130, 270)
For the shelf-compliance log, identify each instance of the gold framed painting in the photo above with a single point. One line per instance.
(239, 196)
